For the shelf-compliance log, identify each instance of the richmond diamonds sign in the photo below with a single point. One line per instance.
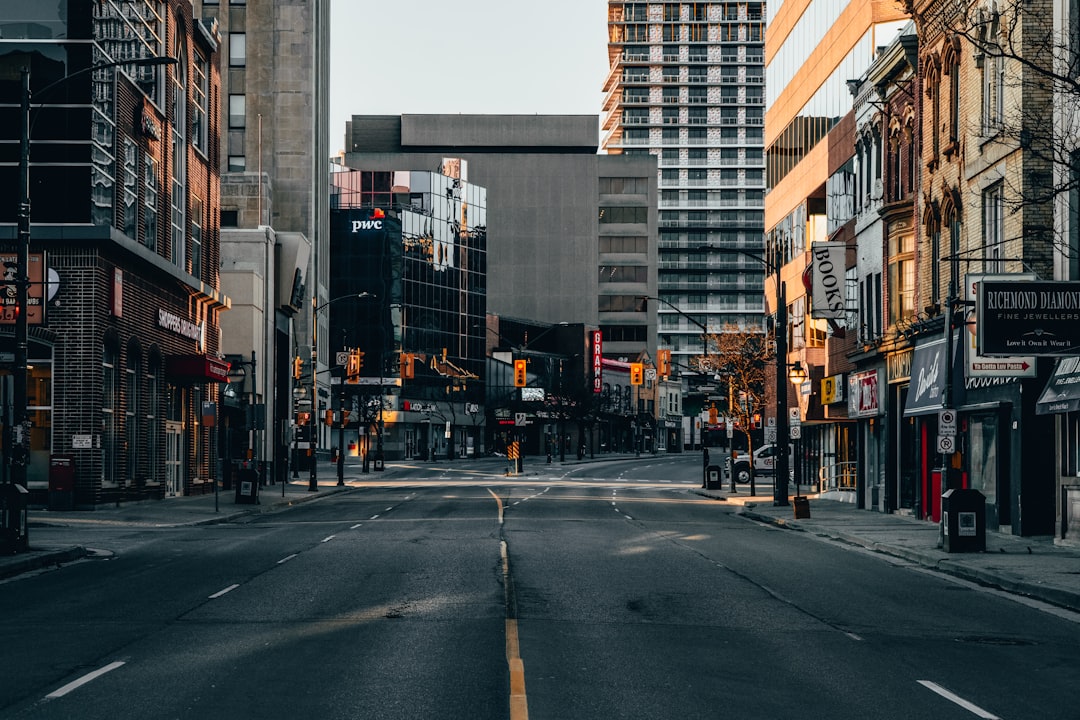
(1028, 318)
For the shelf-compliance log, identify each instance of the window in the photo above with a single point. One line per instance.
(237, 111)
(131, 414)
(131, 189)
(236, 163)
(109, 401)
(196, 236)
(199, 94)
(901, 277)
(151, 420)
(178, 246)
(993, 82)
(237, 49)
(150, 200)
(994, 228)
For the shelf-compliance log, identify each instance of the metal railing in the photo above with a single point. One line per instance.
(839, 476)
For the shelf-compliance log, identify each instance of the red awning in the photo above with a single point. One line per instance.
(196, 368)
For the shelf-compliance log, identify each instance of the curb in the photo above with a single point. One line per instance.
(39, 559)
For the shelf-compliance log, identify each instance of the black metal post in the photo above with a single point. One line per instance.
(341, 436)
(19, 437)
(780, 486)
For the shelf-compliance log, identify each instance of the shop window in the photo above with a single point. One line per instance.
(109, 408)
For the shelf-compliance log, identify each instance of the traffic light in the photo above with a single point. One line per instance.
(329, 417)
(354, 366)
(297, 367)
(713, 418)
(637, 373)
(408, 366)
(302, 418)
(345, 417)
(521, 368)
(664, 362)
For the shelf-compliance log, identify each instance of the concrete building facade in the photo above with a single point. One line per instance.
(571, 234)
(275, 204)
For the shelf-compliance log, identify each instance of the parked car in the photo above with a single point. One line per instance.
(764, 462)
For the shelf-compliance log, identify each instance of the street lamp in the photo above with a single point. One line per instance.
(19, 450)
(313, 481)
(705, 350)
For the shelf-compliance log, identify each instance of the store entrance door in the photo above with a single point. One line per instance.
(174, 452)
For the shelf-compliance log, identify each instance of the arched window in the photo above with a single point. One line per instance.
(110, 401)
(179, 154)
(951, 67)
(931, 221)
(132, 413)
(952, 221)
(152, 425)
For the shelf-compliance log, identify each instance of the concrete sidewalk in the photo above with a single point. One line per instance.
(1035, 567)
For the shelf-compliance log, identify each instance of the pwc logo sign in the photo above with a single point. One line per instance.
(374, 222)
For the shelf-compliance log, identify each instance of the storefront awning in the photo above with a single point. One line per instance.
(196, 369)
(1062, 391)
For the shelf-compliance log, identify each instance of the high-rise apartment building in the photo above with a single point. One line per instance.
(687, 85)
(275, 198)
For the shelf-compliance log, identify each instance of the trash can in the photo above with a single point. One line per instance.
(801, 505)
(712, 477)
(13, 520)
(963, 512)
(246, 480)
(61, 482)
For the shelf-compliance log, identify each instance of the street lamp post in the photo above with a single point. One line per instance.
(313, 478)
(705, 349)
(19, 452)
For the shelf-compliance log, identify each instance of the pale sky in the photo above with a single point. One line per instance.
(391, 57)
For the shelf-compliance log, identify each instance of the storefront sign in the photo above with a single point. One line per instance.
(1028, 318)
(9, 291)
(898, 365)
(1062, 391)
(827, 259)
(832, 389)
(181, 326)
(196, 368)
(598, 361)
(979, 365)
(863, 398)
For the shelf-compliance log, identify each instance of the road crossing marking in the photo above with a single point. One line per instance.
(951, 697)
(84, 679)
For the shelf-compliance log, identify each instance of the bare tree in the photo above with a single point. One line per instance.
(740, 358)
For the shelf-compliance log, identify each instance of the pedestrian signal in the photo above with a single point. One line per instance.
(329, 420)
(520, 373)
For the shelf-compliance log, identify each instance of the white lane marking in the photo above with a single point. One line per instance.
(84, 679)
(219, 593)
(374, 517)
(627, 516)
(356, 526)
(853, 636)
(951, 697)
(286, 558)
(328, 538)
(389, 509)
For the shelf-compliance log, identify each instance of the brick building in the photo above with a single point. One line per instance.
(123, 320)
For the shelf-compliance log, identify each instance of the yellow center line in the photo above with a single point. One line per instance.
(519, 703)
